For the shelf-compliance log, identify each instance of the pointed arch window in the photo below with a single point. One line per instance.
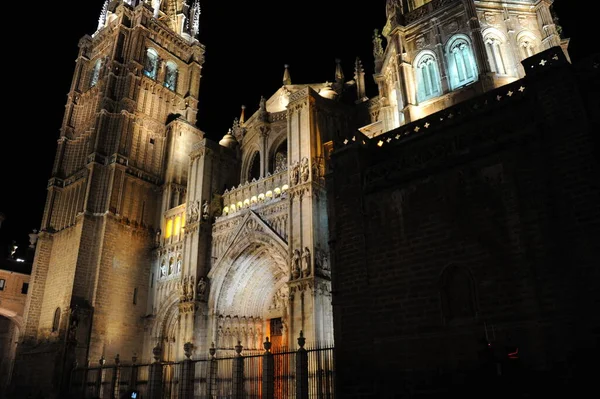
(428, 77)
(171, 76)
(151, 67)
(462, 69)
(95, 73)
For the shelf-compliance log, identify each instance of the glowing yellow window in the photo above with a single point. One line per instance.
(169, 228)
(177, 225)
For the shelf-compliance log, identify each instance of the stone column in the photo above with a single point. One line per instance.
(301, 369)
(485, 74)
(268, 372)
(186, 379)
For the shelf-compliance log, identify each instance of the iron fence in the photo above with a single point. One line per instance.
(270, 375)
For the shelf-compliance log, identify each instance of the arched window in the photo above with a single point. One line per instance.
(171, 76)
(494, 46)
(527, 45)
(254, 170)
(462, 69)
(457, 294)
(56, 320)
(280, 157)
(428, 76)
(151, 68)
(95, 73)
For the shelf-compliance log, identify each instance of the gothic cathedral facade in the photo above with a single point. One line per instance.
(154, 236)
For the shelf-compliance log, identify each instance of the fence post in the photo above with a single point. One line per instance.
(116, 377)
(301, 369)
(134, 374)
(238, 372)
(100, 380)
(186, 379)
(155, 385)
(211, 385)
(268, 372)
(86, 371)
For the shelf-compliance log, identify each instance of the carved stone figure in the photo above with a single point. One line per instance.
(200, 291)
(377, 44)
(191, 287)
(205, 210)
(184, 288)
(304, 170)
(163, 269)
(157, 238)
(306, 262)
(193, 212)
(179, 265)
(294, 174)
(296, 264)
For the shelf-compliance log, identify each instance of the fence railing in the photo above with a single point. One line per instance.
(302, 374)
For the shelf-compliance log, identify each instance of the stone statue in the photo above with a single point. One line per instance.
(157, 238)
(179, 265)
(294, 174)
(296, 264)
(184, 288)
(163, 269)
(191, 287)
(205, 210)
(305, 171)
(193, 212)
(306, 262)
(201, 287)
(377, 44)
(325, 263)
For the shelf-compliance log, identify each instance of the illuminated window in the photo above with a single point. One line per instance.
(527, 44)
(95, 73)
(177, 225)
(494, 47)
(169, 228)
(151, 67)
(461, 63)
(171, 76)
(56, 320)
(428, 76)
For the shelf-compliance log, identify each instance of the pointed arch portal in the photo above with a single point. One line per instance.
(248, 285)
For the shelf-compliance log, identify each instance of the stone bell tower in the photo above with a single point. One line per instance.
(120, 167)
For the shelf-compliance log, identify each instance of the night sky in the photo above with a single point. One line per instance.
(247, 45)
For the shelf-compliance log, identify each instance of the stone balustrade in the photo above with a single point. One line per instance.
(255, 193)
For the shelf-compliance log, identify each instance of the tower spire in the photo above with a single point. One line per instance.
(287, 79)
(195, 18)
(338, 85)
(243, 116)
(359, 78)
(103, 15)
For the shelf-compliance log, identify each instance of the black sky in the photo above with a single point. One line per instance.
(247, 45)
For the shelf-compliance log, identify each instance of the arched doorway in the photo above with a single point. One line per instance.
(10, 328)
(249, 293)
